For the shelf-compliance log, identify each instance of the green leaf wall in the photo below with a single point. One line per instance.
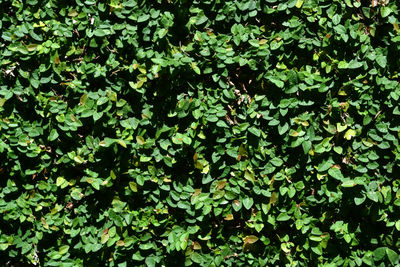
(208, 133)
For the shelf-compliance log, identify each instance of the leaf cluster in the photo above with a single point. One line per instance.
(209, 133)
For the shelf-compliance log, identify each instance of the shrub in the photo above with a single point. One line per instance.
(177, 132)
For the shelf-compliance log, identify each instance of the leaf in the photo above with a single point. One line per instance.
(340, 128)
(282, 217)
(343, 65)
(336, 173)
(196, 257)
(299, 3)
(99, 33)
(354, 64)
(131, 123)
(273, 198)
(338, 149)
(250, 239)
(283, 129)
(82, 99)
(60, 180)
(381, 60)
(348, 183)
(306, 146)
(76, 194)
(276, 81)
(393, 256)
(323, 166)
(248, 203)
(373, 196)
(229, 217)
(359, 200)
(255, 131)
(140, 140)
(73, 13)
(228, 94)
(104, 238)
(162, 32)
(276, 162)
(53, 135)
(254, 43)
(31, 47)
(133, 186)
(201, 19)
(249, 176)
(385, 11)
(122, 143)
(350, 133)
(195, 68)
(63, 249)
(379, 253)
(236, 205)
(143, 18)
(316, 238)
(336, 19)
(78, 159)
(196, 245)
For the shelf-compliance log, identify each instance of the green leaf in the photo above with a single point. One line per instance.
(338, 149)
(143, 18)
(104, 238)
(53, 135)
(381, 60)
(276, 81)
(283, 129)
(201, 19)
(122, 143)
(79, 160)
(354, 64)
(350, 133)
(393, 256)
(99, 33)
(131, 123)
(248, 203)
(283, 217)
(276, 162)
(343, 65)
(299, 3)
(336, 173)
(137, 257)
(195, 68)
(140, 140)
(385, 11)
(63, 249)
(249, 176)
(133, 186)
(306, 146)
(340, 128)
(196, 257)
(254, 43)
(255, 131)
(373, 196)
(348, 183)
(359, 200)
(76, 194)
(379, 253)
(60, 181)
(323, 166)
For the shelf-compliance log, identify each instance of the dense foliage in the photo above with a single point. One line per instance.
(161, 132)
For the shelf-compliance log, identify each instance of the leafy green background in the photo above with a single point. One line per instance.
(179, 132)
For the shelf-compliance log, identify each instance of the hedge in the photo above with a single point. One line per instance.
(199, 132)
